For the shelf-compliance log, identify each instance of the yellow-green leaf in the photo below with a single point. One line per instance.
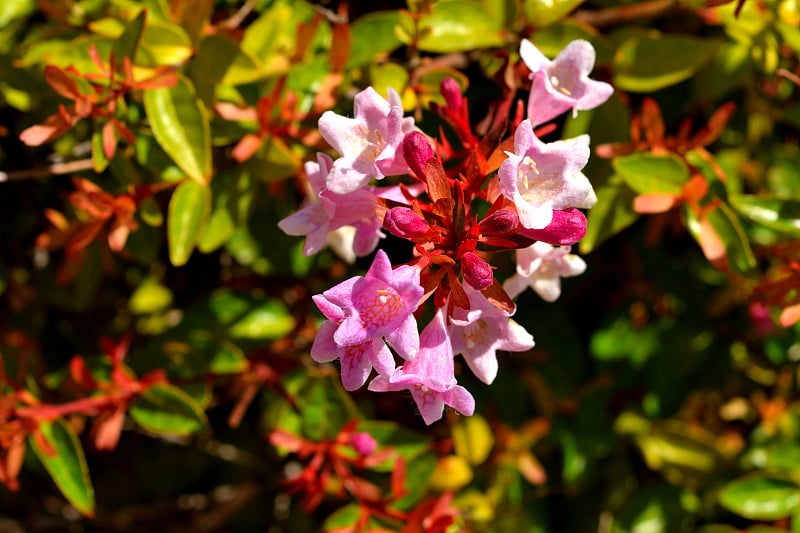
(760, 496)
(180, 125)
(473, 439)
(188, 210)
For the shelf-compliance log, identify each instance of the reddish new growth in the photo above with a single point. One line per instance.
(21, 413)
(329, 470)
(451, 237)
(96, 96)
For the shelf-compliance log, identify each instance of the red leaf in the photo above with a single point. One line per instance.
(498, 297)
(107, 429)
(438, 184)
(790, 315)
(109, 140)
(53, 127)
(340, 43)
(658, 202)
(246, 147)
(80, 373)
(652, 123)
(62, 83)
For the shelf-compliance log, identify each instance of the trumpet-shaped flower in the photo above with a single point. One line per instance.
(479, 332)
(541, 267)
(563, 83)
(327, 212)
(357, 361)
(377, 305)
(541, 177)
(368, 143)
(430, 376)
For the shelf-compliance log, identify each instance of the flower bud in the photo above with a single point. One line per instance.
(476, 271)
(416, 151)
(404, 222)
(501, 222)
(363, 443)
(451, 91)
(567, 227)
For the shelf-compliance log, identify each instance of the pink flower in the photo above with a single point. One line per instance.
(562, 83)
(328, 212)
(369, 143)
(430, 376)
(541, 267)
(477, 334)
(541, 177)
(367, 308)
(357, 361)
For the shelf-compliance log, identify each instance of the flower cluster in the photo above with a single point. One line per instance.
(458, 206)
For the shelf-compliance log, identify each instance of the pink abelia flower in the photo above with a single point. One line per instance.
(541, 177)
(367, 308)
(541, 267)
(327, 212)
(563, 83)
(368, 143)
(430, 376)
(478, 333)
(357, 361)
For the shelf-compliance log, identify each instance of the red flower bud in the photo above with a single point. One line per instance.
(451, 91)
(404, 222)
(363, 443)
(476, 271)
(567, 227)
(501, 222)
(416, 151)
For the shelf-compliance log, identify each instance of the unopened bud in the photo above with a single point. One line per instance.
(363, 443)
(416, 151)
(501, 222)
(567, 227)
(404, 222)
(451, 91)
(476, 271)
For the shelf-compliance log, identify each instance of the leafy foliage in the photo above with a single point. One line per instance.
(156, 325)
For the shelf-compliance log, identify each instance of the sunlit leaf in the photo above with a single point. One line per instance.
(458, 25)
(180, 125)
(188, 210)
(760, 496)
(473, 439)
(372, 35)
(647, 173)
(542, 13)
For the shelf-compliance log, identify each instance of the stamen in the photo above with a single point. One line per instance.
(565, 91)
(554, 81)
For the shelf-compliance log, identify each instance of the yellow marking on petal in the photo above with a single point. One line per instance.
(554, 81)
(565, 91)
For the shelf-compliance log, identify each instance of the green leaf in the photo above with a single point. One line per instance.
(612, 213)
(542, 13)
(67, 466)
(187, 213)
(652, 62)
(166, 43)
(457, 26)
(778, 214)
(180, 125)
(149, 297)
(268, 39)
(220, 60)
(246, 317)
(646, 173)
(127, 44)
(372, 35)
(760, 496)
(343, 518)
(232, 196)
(11, 10)
(728, 229)
(167, 410)
(407, 443)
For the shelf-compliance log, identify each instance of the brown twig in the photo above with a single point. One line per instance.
(52, 170)
(615, 15)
